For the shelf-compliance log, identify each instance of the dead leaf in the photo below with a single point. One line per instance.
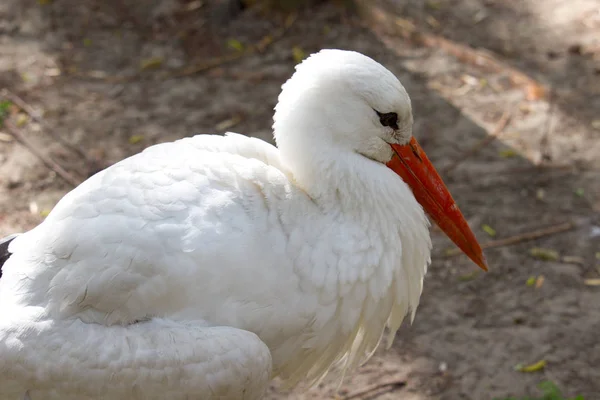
(451, 251)
(480, 16)
(21, 120)
(468, 277)
(289, 20)
(135, 139)
(264, 42)
(530, 281)
(97, 153)
(228, 123)
(592, 282)
(470, 80)
(536, 281)
(97, 74)
(540, 194)
(544, 254)
(535, 367)
(534, 92)
(52, 72)
(489, 230)
(596, 124)
(525, 108)
(433, 5)
(573, 260)
(539, 281)
(298, 54)
(194, 5)
(235, 44)
(405, 24)
(507, 153)
(434, 23)
(149, 63)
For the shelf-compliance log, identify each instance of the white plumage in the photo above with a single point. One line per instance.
(202, 268)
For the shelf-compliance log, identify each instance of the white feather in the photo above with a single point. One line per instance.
(208, 265)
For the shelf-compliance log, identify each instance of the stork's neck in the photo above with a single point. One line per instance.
(341, 180)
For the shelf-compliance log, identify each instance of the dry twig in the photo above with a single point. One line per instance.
(384, 386)
(545, 141)
(48, 161)
(522, 237)
(482, 143)
(19, 102)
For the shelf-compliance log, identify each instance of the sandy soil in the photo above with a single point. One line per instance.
(81, 64)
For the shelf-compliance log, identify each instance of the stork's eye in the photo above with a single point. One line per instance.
(388, 119)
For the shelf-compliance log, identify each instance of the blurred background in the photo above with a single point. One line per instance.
(506, 97)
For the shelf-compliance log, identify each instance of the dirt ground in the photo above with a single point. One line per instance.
(112, 77)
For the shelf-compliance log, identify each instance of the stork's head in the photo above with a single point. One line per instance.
(344, 102)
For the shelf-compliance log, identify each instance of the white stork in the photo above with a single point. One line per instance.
(203, 268)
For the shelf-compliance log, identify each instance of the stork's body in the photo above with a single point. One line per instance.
(201, 268)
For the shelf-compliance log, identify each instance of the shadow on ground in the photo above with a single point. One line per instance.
(552, 41)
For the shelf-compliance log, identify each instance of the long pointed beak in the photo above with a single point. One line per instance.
(412, 164)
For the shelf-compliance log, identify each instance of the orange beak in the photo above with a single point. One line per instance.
(412, 164)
